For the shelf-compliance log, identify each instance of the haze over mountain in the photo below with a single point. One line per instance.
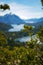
(11, 19)
(14, 19)
(34, 20)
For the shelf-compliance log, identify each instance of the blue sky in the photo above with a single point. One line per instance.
(25, 9)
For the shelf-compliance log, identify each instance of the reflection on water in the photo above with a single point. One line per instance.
(27, 38)
(23, 39)
(17, 27)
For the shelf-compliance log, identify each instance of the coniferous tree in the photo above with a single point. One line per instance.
(4, 7)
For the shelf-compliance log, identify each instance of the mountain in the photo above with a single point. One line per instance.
(34, 20)
(35, 24)
(11, 19)
(4, 27)
(14, 19)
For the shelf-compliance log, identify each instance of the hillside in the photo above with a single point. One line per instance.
(34, 20)
(4, 27)
(11, 19)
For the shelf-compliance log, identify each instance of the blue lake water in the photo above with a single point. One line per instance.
(27, 38)
(16, 27)
(23, 39)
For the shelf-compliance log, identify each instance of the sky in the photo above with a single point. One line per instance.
(25, 9)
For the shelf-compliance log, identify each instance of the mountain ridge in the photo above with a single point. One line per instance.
(34, 20)
(11, 19)
(5, 27)
(14, 19)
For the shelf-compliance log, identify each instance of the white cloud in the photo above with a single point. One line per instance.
(24, 12)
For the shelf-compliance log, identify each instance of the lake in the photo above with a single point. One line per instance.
(23, 39)
(16, 27)
(26, 38)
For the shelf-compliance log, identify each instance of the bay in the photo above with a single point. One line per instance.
(16, 27)
(23, 39)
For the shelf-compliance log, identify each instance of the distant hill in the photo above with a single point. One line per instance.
(34, 20)
(8, 19)
(4, 27)
(14, 19)
(36, 25)
(11, 19)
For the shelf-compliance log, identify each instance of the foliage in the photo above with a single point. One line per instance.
(4, 7)
(42, 2)
(31, 54)
(3, 40)
(28, 29)
(21, 56)
(40, 34)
